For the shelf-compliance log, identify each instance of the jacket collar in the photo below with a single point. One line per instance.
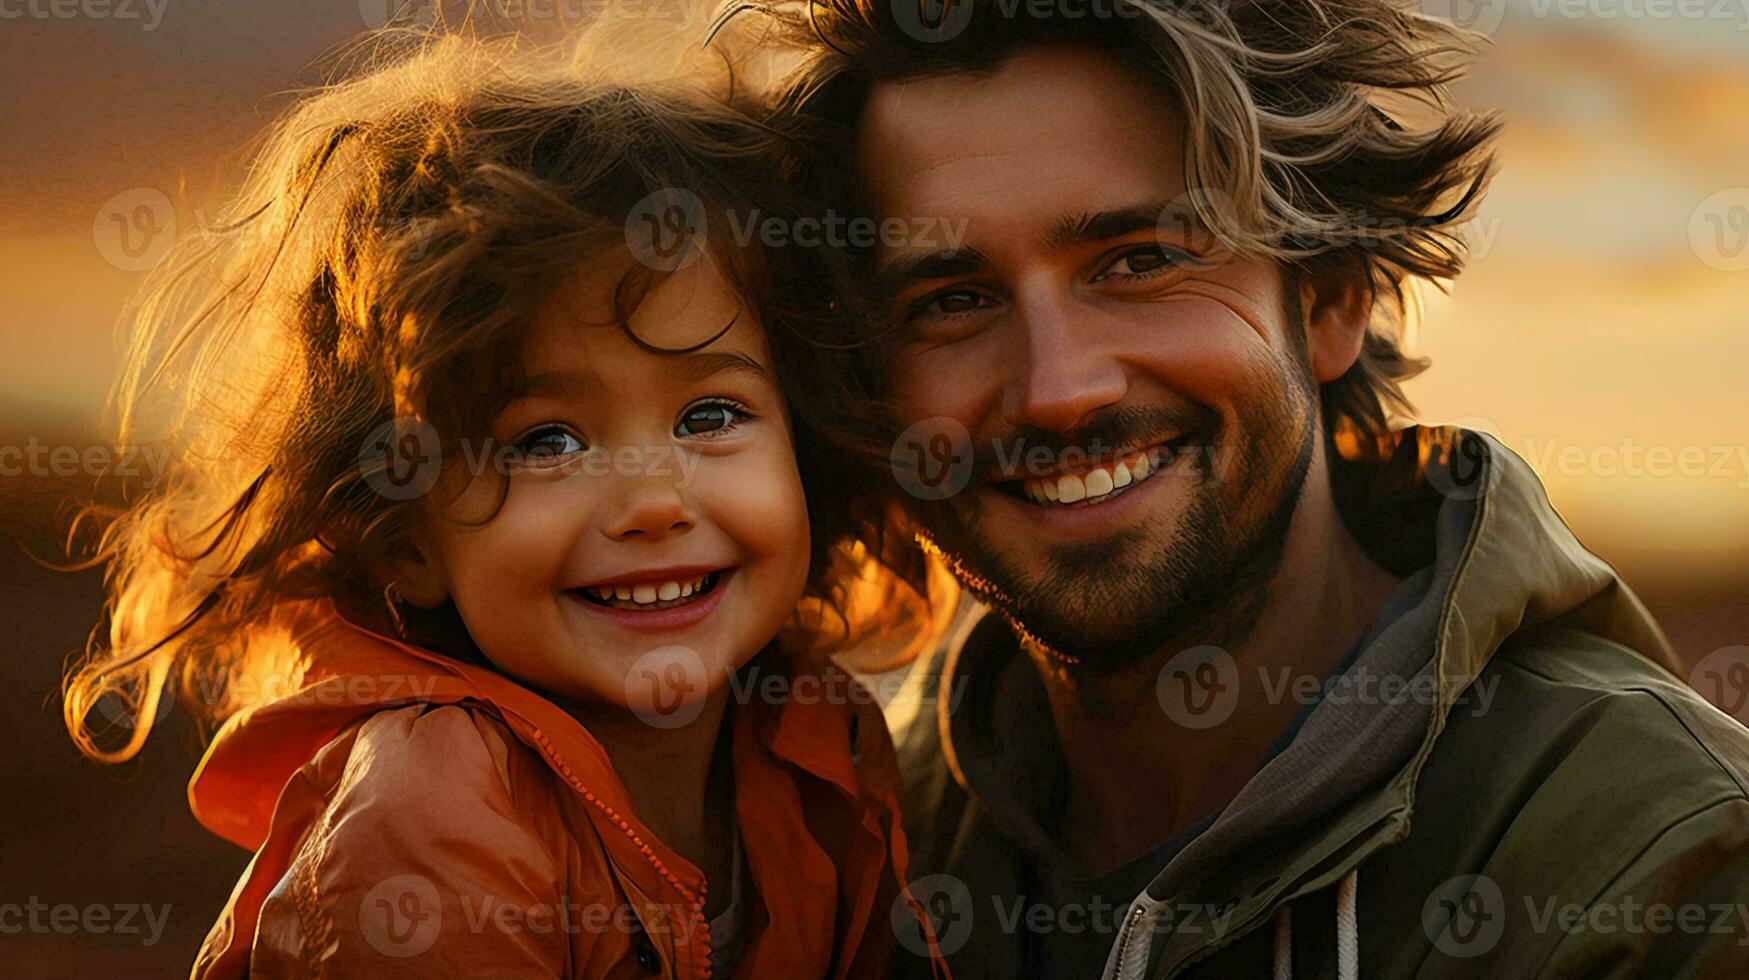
(786, 753)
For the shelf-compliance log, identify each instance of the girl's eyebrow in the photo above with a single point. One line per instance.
(697, 367)
(539, 384)
(689, 367)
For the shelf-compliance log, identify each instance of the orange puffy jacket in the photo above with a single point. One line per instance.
(417, 816)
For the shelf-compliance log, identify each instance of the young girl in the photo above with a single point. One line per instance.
(493, 498)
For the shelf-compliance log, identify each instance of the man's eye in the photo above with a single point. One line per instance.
(549, 443)
(950, 303)
(710, 418)
(1142, 262)
(959, 302)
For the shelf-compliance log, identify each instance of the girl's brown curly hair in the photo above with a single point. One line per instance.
(395, 231)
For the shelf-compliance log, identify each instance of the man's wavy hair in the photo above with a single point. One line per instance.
(1317, 132)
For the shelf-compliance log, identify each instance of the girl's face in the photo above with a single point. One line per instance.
(654, 535)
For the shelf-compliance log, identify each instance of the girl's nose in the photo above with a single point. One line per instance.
(649, 509)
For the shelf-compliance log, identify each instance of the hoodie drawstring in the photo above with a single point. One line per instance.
(1347, 933)
(1347, 927)
(1284, 943)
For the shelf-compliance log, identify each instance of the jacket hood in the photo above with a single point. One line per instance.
(1483, 555)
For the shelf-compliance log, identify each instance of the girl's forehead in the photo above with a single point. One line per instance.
(577, 329)
(671, 306)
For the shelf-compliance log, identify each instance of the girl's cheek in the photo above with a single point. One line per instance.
(520, 550)
(757, 498)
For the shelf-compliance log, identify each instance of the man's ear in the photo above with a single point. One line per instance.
(1336, 304)
(410, 565)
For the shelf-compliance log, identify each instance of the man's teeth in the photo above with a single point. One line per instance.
(1092, 484)
(650, 592)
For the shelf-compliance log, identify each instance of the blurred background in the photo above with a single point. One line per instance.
(1602, 332)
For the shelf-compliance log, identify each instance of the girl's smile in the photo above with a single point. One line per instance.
(658, 601)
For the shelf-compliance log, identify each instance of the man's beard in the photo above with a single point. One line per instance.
(1197, 578)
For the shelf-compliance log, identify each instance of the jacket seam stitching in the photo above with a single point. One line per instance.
(1602, 890)
(1658, 698)
(316, 922)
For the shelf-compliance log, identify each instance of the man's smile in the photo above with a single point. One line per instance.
(1096, 480)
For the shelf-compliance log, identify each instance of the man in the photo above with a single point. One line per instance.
(1269, 688)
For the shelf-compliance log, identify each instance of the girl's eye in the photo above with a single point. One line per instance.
(548, 443)
(710, 417)
(1143, 262)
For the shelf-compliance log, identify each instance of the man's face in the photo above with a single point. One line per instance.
(1076, 331)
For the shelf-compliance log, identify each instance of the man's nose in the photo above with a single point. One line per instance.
(1061, 374)
(646, 507)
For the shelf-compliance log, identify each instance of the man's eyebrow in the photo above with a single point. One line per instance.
(1100, 226)
(1077, 229)
(921, 267)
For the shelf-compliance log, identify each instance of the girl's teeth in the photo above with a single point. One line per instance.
(649, 593)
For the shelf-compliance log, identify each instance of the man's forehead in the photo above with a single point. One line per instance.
(1051, 131)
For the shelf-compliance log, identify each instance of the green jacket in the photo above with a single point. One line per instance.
(1559, 803)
